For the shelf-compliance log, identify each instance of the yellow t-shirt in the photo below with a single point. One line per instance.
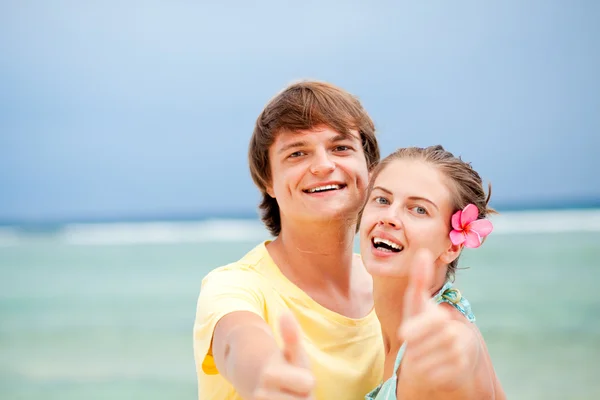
(346, 354)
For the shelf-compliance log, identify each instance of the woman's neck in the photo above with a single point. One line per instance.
(388, 296)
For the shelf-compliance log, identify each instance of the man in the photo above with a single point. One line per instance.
(310, 155)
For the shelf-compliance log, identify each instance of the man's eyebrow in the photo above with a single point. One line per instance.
(342, 136)
(337, 138)
(292, 145)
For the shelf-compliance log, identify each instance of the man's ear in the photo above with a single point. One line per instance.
(270, 192)
(451, 253)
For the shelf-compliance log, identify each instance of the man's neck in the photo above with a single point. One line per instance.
(316, 254)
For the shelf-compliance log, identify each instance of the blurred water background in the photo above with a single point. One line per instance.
(105, 311)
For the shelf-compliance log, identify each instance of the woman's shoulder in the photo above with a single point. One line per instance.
(451, 298)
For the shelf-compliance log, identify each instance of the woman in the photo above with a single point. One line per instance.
(423, 207)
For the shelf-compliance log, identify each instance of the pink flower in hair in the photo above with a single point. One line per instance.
(468, 229)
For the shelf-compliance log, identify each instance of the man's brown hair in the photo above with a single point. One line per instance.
(304, 106)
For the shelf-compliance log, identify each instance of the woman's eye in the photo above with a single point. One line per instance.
(381, 200)
(420, 210)
(342, 148)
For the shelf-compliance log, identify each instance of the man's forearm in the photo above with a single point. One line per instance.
(246, 351)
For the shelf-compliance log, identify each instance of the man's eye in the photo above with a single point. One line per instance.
(296, 154)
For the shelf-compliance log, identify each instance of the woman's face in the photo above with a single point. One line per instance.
(409, 208)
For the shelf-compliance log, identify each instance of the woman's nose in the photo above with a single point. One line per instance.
(391, 219)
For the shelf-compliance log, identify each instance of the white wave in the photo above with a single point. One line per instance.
(231, 230)
(249, 230)
(546, 221)
(163, 232)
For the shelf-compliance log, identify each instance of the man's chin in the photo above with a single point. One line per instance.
(345, 213)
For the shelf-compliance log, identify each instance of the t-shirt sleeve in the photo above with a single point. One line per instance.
(223, 292)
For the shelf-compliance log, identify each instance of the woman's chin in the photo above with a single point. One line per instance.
(384, 269)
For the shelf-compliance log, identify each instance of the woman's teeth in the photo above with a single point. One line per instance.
(386, 245)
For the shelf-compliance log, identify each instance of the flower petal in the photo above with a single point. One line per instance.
(473, 239)
(456, 221)
(483, 227)
(469, 214)
(457, 237)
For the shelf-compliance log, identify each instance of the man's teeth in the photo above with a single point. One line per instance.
(323, 188)
(385, 244)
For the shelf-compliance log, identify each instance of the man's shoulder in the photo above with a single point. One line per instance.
(251, 264)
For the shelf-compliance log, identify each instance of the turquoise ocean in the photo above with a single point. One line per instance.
(105, 311)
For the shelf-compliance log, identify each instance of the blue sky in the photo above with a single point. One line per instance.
(140, 109)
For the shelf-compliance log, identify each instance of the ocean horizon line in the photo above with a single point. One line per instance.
(48, 223)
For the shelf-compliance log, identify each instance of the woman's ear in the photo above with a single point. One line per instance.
(451, 253)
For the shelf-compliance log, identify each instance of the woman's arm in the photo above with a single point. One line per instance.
(443, 357)
(448, 360)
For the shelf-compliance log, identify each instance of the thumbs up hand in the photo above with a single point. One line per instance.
(287, 375)
(435, 355)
